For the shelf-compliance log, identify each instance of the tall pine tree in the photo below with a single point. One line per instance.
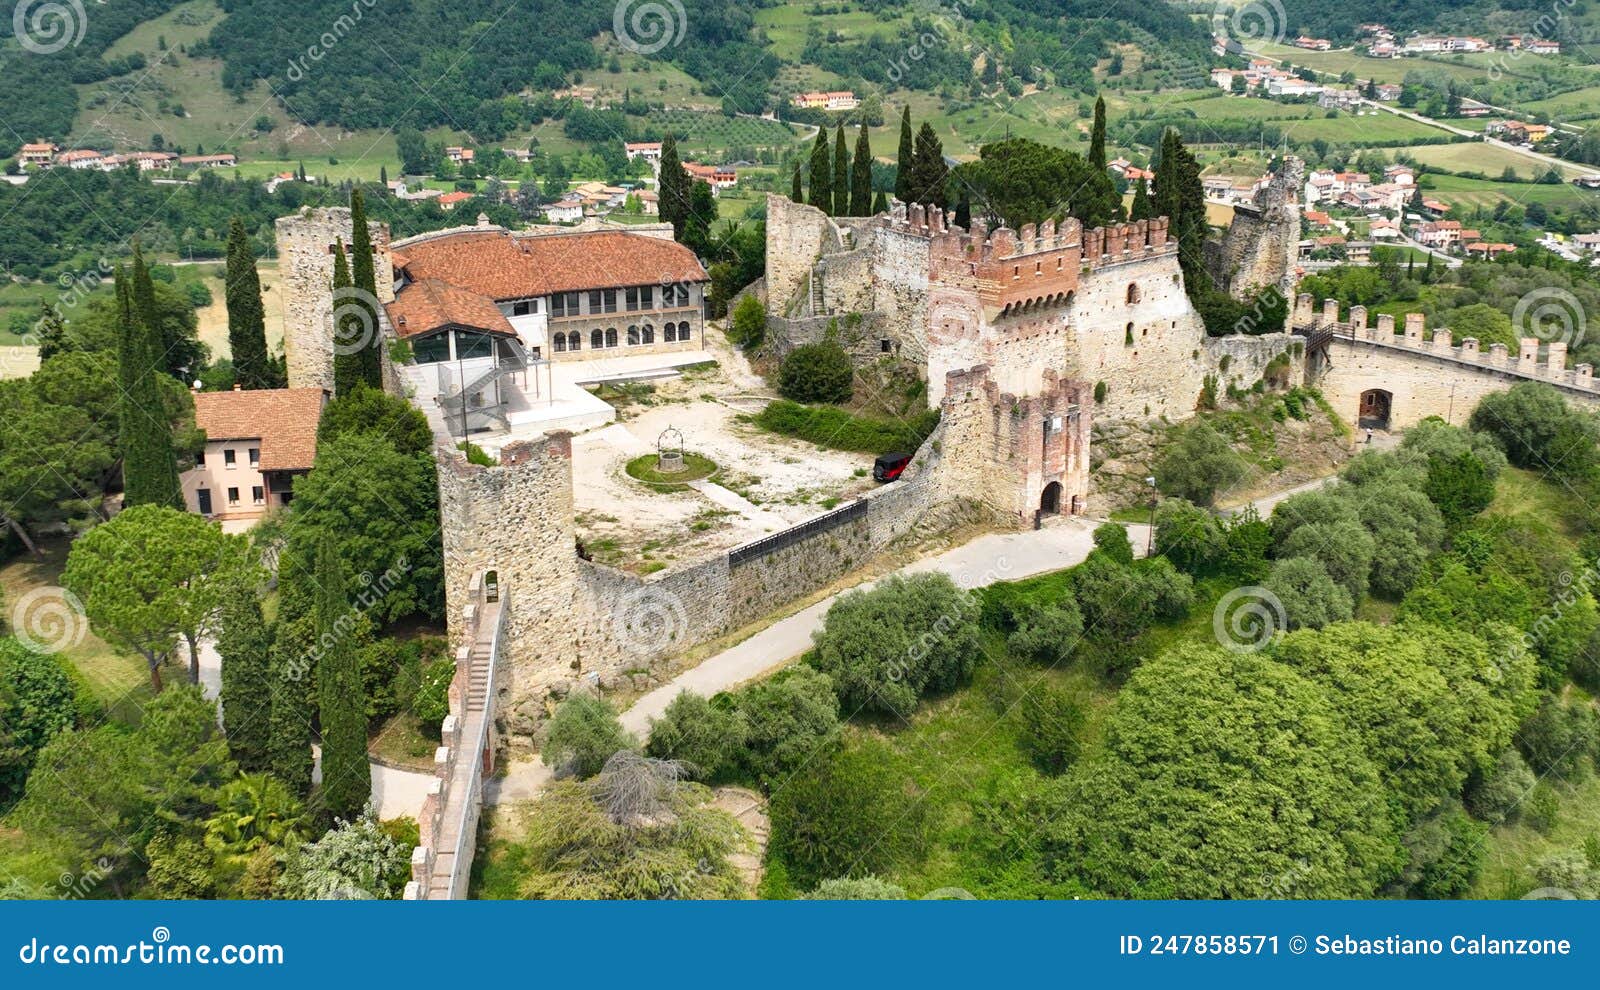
(363, 273)
(905, 158)
(841, 175)
(861, 176)
(341, 697)
(348, 327)
(245, 647)
(672, 187)
(289, 730)
(247, 326)
(928, 172)
(1097, 136)
(797, 192)
(821, 187)
(149, 463)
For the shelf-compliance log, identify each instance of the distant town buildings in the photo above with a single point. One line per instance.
(1427, 43)
(837, 100)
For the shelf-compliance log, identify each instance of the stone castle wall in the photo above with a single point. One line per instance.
(305, 250)
(1261, 246)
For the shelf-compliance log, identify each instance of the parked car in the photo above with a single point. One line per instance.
(890, 466)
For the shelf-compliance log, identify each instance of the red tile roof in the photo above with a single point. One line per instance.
(283, 419)
(434, 304)
(496, 265)
(453, 197)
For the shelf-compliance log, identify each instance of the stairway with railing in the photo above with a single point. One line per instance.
(460, 415)
(448, 823)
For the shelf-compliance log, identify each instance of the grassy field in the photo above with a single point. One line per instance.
(1459, 192)
(119, 681)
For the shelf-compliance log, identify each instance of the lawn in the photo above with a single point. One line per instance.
(119, 681)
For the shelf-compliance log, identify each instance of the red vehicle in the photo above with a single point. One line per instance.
(890, 466)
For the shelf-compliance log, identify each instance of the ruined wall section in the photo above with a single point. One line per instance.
(797, 235)
(305, 250)
(1261, 245)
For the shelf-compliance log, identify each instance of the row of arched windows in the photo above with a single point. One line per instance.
(572, 340)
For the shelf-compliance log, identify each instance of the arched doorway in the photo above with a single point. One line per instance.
(1050, 501)
(1374, 411)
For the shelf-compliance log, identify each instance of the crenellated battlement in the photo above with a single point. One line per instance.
(1413, 336)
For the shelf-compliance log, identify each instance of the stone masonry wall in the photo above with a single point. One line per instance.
(305, 242)
(1261, 245)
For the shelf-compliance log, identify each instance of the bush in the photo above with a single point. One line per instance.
(816, 373)
(1310, 598)
(584, 734)
(1343, 548)
(1047, 635)
(867, 888)
(1320, 506)
(886, 647)
(1199, 466)
(1052, 720)
(836, 429)
(788, 717)
(1496, 795)
(37, 701)
(748, 325)
(1457, 859)
(1538, 430)
(1559, 739)
(1542, 809)
(850, 814)
(1189, 536)
(709, 738)
(1112, 540)
(1461, 486)
(1571, 871)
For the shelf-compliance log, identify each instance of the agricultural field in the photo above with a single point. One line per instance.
(716, 132)
(1460, 192)
(786, 26)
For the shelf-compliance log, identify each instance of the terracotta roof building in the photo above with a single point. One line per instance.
(257, 442)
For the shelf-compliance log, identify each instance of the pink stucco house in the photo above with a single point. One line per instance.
(256, 443)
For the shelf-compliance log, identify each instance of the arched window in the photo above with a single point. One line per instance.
(649, 334)
(597, 338)
(560, 342)
(574, 341)
(1133, 292)
(633, 336)
(683, 331)
(669, 333)
(611, 336)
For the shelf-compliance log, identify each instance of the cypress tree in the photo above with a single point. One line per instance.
(289, 730)
(247, 326)
(1141, 201)
(246, 652)
(880, 202)
(347, 327)
(144, 305)
(841, 175)
(383, 175)
(964, 211)
(928, 170)
(796, 194)
(672, 187)
(149, 464)
(861, 176)
(52, 334)
(364, 274)
(821, 173)
(341, 698)
(905, 158)
(1097, 137)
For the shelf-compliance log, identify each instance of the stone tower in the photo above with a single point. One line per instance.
(1261, 245)
(305, 251)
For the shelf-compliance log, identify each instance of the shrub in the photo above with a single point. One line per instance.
(1569, 870)
(867, 888)
(1397, 562)
(1189, 536)
(886, 647)
(432, 702)
(1542, 809)
(1456, 860)
(816, 373)
(1052, 721)
(788, 717)
(1496, 795)
(584, 734)
(1461, 486)
(1112, 540)
(1199, 466)
(37, 701)
(749, 323)
(1343, 548)
(1558, 739)
(1537, 429)
(836, 429)
(708, 738)
(1048, 635)
(1310, 598)
(1320, 506)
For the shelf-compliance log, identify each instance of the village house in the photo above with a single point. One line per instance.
(1384, 230)
(1339, 99)
(566, 210)
(257, 442)
(1313, 44)
(40, 153)
(451, 200)
(650, 151)
(460, 155)
(208, 161)
(1421, 43)
(718, 176)
(1587, 242)
(1293, 86)
(1441, 234)
(82, 158)
(1488, 250)
(1388, 92)
(1400, 175)
(836, 100)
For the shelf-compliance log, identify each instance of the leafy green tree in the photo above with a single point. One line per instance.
(1343, 548)
(244, 646)
(1018, 181)
(1451, 856)
(180, 869)
(905, 158)
(702, 214)
(841, 174)
(1307, 508)
(255, 812)
(150, 577)
(247, 328)
(706, 737)
(1243, 750)
(1310, 598)
(861, 176)
(789, 718)
(1189, 536)
(1398, 562)
(816, 373)
(357, 860)
(1047, 635)
(1461, 486)
(848, 815)
(374, 411)
(341, 698)
(1199, 466)
(1112, 540)
(1559, 739)
(1538, 429)
(908, 636)
(37, 701)
(749, 324)
(1495, 794)
(1052, 720)
(820, 187)
(584, 733)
